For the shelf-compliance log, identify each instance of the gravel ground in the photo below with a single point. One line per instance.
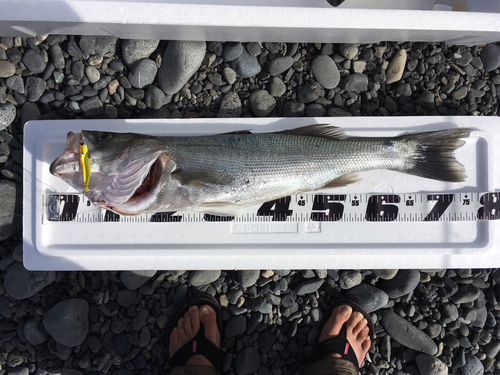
(427, 321)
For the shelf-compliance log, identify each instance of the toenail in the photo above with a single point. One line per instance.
(345, 310)
(366, 329)
(205, 311)
(181, 320)
(357, 314)
(193, 308)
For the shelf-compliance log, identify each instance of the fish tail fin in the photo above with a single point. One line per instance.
(433, 154)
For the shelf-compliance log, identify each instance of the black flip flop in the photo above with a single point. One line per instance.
(199, 344)
(339, 344)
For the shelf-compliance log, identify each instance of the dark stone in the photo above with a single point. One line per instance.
(34, 61)
(92, 107)
(368, 297)
(21, 283)
(34, 88)
(232, 50)
(356, 82)
(490, 56)
(247, 361)
(403, 283)
(407, 334)
(68, 321)
(245, 65)
(11, 207)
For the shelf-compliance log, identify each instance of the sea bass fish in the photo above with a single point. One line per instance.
(135, 174)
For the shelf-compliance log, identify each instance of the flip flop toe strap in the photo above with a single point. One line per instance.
(335, 345)
(199, 345)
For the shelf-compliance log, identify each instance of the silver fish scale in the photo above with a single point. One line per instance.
(306, 163)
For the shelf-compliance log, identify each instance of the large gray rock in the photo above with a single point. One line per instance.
(407, 334)
(309, 286)
(246, 65)
(230, 106)
(11, 207)
(7, 115)
(33, 333)
(325, 71)
(430, 365)
(180, 61)
(473, 366)
(490, 56)
(247, 361)
(262, 103)
(248, 277)
(136, 49)
(135, 279)
(68, 321)
(142, 73)
(7, 69)
(368, 297)
(98, 45)
(199, 278)
(403, 283)
(21, 283)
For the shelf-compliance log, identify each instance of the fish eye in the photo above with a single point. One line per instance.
(103, 136)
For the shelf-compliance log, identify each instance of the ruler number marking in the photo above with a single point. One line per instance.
(330, 207)
(443, 201)
(381, 208)
(278, 209)
(491, 207)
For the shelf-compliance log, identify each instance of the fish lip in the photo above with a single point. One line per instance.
(69, 156)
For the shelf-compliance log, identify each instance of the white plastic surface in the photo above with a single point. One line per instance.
(355, 21)
(350, 245)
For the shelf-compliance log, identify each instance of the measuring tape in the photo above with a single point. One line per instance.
(310, 207)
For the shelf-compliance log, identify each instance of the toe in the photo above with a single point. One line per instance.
(181, 333)
(208, 318)
(365, 346)
(354, 319)
(358, 328)
(188, 328)
(339, 316)
(195, 318)
(174, 338)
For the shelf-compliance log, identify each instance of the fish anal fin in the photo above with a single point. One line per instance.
(318, 130)
(344, 180)
(201, 178)
(220, 208)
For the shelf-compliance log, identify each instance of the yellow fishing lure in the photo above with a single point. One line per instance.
(85, 164)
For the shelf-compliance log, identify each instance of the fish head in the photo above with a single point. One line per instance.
(126, 169)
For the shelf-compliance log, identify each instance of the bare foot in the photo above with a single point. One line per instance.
(188, 327)
(356, 329)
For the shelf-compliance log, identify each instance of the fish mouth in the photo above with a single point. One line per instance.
(150, 183)
(145, 193)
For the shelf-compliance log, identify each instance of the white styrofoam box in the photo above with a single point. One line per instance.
(357, 245)
(254, 20)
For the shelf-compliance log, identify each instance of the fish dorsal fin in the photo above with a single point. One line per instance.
(345, 179)
(201, 178)
(318, 130)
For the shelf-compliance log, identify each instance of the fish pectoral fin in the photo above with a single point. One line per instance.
(220, 208)
(345, 179)
(201, 178)
(318, 130)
